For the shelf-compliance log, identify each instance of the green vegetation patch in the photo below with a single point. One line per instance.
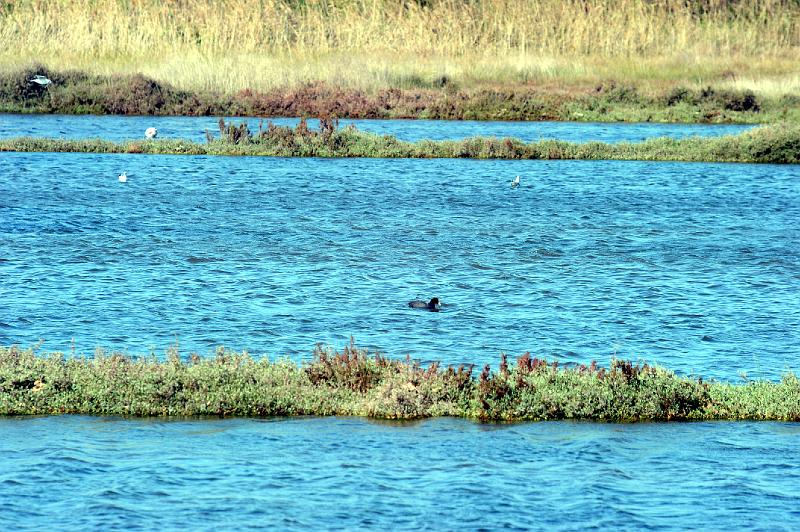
(353, 382)
(767, 144)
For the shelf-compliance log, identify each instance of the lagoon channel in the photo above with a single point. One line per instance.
(692, 266)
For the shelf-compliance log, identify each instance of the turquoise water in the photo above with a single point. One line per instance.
(81, 473)
(118, 128)
(692, 266)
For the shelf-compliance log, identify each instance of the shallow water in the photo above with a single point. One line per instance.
(692, 266)
(81, 473)
(118, 128)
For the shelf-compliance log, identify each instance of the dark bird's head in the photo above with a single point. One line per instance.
(432, 305)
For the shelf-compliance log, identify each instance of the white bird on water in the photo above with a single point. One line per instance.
(515, 182)
(123, 177)
(44, 81)
(150, 133)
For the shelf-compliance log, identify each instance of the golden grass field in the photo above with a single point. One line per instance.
(229, 45)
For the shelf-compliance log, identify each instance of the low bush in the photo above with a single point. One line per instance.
(355, 382)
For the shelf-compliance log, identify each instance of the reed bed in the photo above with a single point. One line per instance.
(232, 45)
(778, 143)
(355, 382)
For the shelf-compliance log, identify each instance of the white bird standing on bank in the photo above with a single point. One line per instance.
(150, 133)
(123, 177)
(515, 182)
(44, 81)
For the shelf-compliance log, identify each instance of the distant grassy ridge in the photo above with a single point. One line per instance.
(232, 45)
(76, 92)
(353, 382)
(767, 144)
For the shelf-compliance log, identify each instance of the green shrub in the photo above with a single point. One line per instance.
(353, 382)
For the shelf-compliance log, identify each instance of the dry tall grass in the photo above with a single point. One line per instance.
(233, 44)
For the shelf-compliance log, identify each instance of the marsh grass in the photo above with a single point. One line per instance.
(232, 45)
(79, 92)
(355, 382)
(778, 143)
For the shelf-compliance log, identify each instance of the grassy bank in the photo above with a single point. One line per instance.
(74, 92)
(352, 382)
(767, 144)
(233, 45)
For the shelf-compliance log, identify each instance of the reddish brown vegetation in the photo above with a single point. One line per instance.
(76, 92)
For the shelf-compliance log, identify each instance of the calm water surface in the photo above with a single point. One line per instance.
(693, 266)
(82, 473)
(193, 128)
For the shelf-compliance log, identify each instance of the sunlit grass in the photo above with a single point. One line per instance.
(778, 85)
(232, 45)
(229, 73)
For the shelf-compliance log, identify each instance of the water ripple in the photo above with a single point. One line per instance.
(344, 473)
(693, 266)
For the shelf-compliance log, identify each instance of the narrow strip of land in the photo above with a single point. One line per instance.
(778, 143)
(353, 382)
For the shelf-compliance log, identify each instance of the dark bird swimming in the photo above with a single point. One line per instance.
(432, 305)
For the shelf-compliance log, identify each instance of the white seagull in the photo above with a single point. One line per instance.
(150, 133)
(44, 81)
(123, 177)
(515, 182)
